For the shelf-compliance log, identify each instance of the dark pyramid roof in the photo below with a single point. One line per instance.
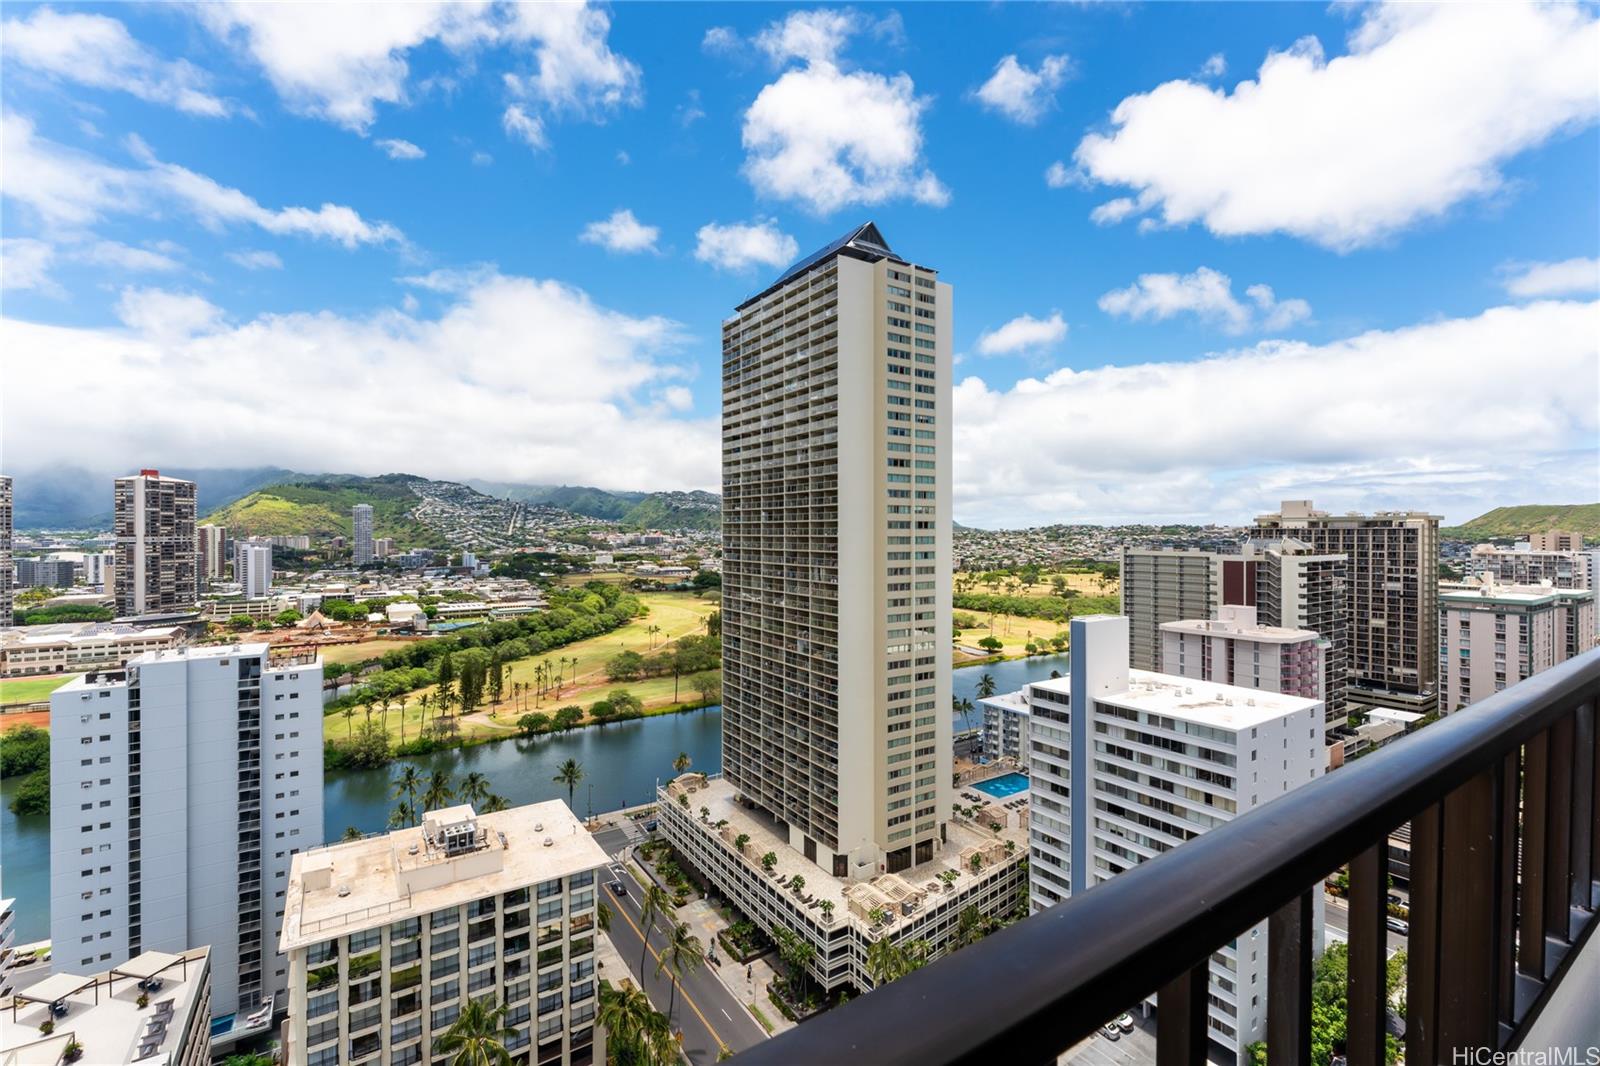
(865, 241)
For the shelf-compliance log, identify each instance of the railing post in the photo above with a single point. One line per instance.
(1467, 930)
(1369, 971)
(1558, 840)
(1583, 814)
(1422, 954)
(1181, 1010)
(1535, 825)
(1289, 981)
(1509, 839)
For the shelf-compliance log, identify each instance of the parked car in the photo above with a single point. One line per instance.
(1110, 1031)
(617, 887)
(1399, 925)
(1125, 1022)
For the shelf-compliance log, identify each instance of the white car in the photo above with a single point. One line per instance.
(1110, 1031)
(1399, 925)
(1125, 1022)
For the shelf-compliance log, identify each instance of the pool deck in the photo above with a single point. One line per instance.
(1021, 782)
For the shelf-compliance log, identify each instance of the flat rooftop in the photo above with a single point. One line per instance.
(361, 884)
(103, 1013)
(718, 795)
(1186, 699)
(1223, 627)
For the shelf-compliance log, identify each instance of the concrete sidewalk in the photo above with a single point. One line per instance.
(747, 983)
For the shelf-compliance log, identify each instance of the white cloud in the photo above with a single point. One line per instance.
(1023, 334)
(1057, 176)
(1020, 94)
(621, 233)
(721, 40)
(167, 317)
(528, 129)
(25, 265)
(1417, 118)
(256, 259)
(813, 36)
(1215, 66)
(72, 189)
(496, 352)
(623, 158)
(1570, 277)
(395, 148)
(689, 112)
(126, 257)
(98, 51)
(1156, 440)
(339, 61)
(1208, 295)
(741, 245)
(482, 159)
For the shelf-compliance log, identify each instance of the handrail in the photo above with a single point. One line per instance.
(1029, 991)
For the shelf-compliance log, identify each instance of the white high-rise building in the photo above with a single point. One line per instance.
(99, 569)
(361, 529)
(1128, 764)
(180, 789)
(499, 905)
(213, 552)
(157, 554)
(252, 569)
(1493, 635)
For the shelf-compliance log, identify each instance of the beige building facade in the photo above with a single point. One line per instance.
(158, 557)
(1493, 635)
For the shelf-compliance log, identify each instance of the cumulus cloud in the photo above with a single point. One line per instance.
(721, 40)
(526, 128)
(826, 137)
(395, 148)
(1570, 277)
(622, 232)
(1208, 295)
(256, 259)
(25, 265)
(71, 189)
(1417, 118)
(339, 61)
(741, 245)
(1020, 94)
(493, 357)
(1023, 334)
(98, 51)
(1155, 441)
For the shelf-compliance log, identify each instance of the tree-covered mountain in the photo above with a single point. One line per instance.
(641, 510)
(1520, 521)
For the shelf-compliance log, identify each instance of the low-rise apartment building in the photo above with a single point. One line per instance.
(1234, 649)
(73, 647)
(101, 1017)
(1127, 764)
(1005, 726)
(387, 937)
(978, 866)
(1493, 635)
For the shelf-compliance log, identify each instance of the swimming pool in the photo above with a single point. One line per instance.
(1003, 787)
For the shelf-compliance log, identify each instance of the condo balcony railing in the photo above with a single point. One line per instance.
(1503, 800)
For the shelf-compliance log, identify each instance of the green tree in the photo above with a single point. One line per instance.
(286, 618)
(991, 643)
(447, 676)
(626, 666)
(438, 793)
(370, 749)
(477, 1037)
(625, 704)
(352, 833)
(683, 953)
(494, 803)
(656, 902)
(33, 794)
(569, 773)
(567, 717)
(709, 685)
(624, 1012)
(497, 678)
(963, 707)
(681, 763)
(25, 750)
(474, 789)
(533, 723)
(986, 687)
(406, 783)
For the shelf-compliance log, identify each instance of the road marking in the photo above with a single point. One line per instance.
(682, 991)
(726, 1015)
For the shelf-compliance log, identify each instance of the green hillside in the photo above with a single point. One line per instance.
(641, 510)
(1581, 518)
(676, 510)
(321, 507)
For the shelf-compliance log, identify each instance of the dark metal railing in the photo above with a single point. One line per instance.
(1504, 804)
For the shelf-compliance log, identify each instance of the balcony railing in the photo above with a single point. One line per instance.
(1503, 799)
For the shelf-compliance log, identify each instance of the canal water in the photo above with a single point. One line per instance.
(621, 762)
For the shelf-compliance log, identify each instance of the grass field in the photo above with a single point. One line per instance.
(1014, 631)
(345, 654)
(31, 689)
(678, 614)
(1085, 584)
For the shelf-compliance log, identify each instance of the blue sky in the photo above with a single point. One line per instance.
(1204, 256)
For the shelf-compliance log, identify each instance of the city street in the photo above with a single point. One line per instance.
(1338, 924)
(707, 1013)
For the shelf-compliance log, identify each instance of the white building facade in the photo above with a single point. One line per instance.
(389, 936)
(361, 539)
(1233, 649)
(180, 788)
(252, 569)
(1126, 764)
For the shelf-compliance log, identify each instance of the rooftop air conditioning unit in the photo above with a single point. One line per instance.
(548, 842)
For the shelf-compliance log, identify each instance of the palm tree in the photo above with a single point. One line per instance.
(681, 763)
(964, 709)
(424, 701)
(682, 954)
(656, 902)
(367, 703)
(406, 783)
(494, 803)
(352, 833)
(349, 713)
(569, 773)
(986, 687)
(652, 631)
(438, 793)
(386, 703)
(477, 1037)
(474, 789)
(625, 1012)
(884, 961)
(404, 814)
